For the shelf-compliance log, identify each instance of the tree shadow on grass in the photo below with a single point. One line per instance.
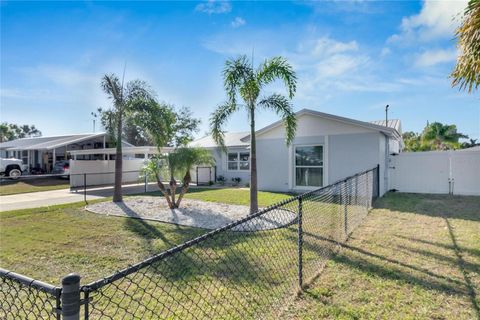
(433, 205)
(229, 255)
(364, 261)
(475, 252)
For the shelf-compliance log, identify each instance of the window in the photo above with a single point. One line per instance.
(25, 157)
(309, 166)
(238, 161)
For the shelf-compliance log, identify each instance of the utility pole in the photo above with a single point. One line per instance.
(94, 118)
(386, 115)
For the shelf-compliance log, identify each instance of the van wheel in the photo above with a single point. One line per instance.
(14, 173)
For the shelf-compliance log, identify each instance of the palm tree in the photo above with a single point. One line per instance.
(439, 136)
(178, 163)
(125, 99)
(466, 73)
(241, 79)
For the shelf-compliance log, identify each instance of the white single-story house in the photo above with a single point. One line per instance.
(43, 152)
(327, 148)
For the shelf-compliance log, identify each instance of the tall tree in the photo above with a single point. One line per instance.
(242, 80)
(125, 99)
(135, 132)
(168, 127)
(441, 136)
(435, 136)
(11, 131)
(466, 73)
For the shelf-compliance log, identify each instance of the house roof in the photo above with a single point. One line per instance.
(392, 123)
(232, 139)
(47, 143)
(475, 148)
(389, 131)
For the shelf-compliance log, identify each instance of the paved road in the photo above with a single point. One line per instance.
(54, 197)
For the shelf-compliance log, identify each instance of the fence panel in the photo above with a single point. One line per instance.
(25, 298)
(442, 172)
(248, 269)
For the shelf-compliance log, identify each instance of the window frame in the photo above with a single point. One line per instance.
(300, 166)
(238, 161)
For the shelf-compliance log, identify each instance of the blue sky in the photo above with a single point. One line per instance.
(352, 58)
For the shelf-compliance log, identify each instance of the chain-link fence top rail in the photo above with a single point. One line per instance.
(239, 271)
(25, 298)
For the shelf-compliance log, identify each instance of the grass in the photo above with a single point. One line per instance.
(240, 196)
(47, 243)
(8, 187)
(415, 257)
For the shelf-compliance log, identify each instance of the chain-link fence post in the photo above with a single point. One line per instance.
(146, 182)
(345, 207)
(85, 187)
(378, 181)
(71, 297)
(300, 244)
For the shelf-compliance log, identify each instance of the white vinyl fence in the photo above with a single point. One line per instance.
(443, 172)
(101, 172)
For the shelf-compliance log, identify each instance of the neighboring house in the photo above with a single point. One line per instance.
(235, 162)
(474, 148)
(326, 148)
(43, 152)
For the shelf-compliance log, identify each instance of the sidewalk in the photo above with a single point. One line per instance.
(63, 196)
(53, 197)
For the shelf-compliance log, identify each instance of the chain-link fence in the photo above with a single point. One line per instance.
(25, 298)
(248, 269)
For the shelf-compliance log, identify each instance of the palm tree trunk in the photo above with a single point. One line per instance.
(173, 189)
(186, 183)
(117, 191)
(164, 191)
(253, 164)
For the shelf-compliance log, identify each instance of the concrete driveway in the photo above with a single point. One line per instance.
(54, 197)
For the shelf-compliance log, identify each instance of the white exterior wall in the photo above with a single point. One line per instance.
(222, 166)
(348, 149)
(100, 172)
(431, 172)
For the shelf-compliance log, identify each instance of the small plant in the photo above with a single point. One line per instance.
(247, 185)
(221, 180)
(236, 181)
(210, 183)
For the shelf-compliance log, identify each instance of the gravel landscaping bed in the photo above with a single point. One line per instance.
(194, 213)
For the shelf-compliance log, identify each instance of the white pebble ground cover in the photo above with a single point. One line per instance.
(194, 213)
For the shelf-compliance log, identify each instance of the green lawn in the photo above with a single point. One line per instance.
(239, 196)
(415, 257)
(47, 243)
(32, 185)
(401, 263)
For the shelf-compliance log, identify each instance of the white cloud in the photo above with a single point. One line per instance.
(385, 52)
(214, 7)
(432, 57)
(238, 22)
(327, 46)
(325, 57)
(437, 19)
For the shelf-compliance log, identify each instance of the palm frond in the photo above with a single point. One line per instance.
(111, 86)
(282, 106)
(466, 73)
(218, 119)
(236, 72)
(278, 68)
(186, 158)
